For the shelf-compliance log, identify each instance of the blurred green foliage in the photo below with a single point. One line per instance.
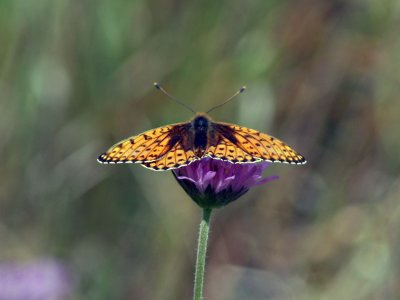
(76, 77)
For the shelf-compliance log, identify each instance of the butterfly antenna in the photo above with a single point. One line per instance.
(158, 87)
(242, 89)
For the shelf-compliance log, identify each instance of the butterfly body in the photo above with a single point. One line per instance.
(201, 127)
(177, 145)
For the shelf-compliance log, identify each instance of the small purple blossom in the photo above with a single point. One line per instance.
(38, 280)
(214, 183)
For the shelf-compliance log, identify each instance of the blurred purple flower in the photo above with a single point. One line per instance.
(214, 183)
(39, 280)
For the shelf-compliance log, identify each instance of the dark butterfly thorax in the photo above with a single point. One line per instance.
(206, 133)
(201, 126)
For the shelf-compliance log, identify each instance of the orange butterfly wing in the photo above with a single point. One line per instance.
(226, 150)
(175, 158)
(146, 147)
(239, 144)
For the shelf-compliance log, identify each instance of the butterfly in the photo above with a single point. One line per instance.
(177, 145)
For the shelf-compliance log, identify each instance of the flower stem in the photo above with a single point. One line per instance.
(201, 254)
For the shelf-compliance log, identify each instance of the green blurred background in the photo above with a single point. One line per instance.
(76, 77)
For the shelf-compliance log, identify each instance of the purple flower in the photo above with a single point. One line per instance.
(214, 183)
(38, 280)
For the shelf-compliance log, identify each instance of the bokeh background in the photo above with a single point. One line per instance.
(76, 77)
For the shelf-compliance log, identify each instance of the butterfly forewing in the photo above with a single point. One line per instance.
(148, 146)
(234, 141)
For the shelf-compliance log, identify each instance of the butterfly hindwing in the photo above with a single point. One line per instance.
(226, 150)
(175, 158)
(254, 144)
(148, 146)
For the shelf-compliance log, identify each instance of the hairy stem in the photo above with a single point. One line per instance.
(201, 254)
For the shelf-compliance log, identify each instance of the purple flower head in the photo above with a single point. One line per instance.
(215, 183)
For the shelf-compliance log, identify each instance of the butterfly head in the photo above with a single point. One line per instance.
(201, 123)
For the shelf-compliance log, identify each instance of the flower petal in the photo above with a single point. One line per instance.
(223, 184)
(206, 180)
(187, 178)
(266, 179)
